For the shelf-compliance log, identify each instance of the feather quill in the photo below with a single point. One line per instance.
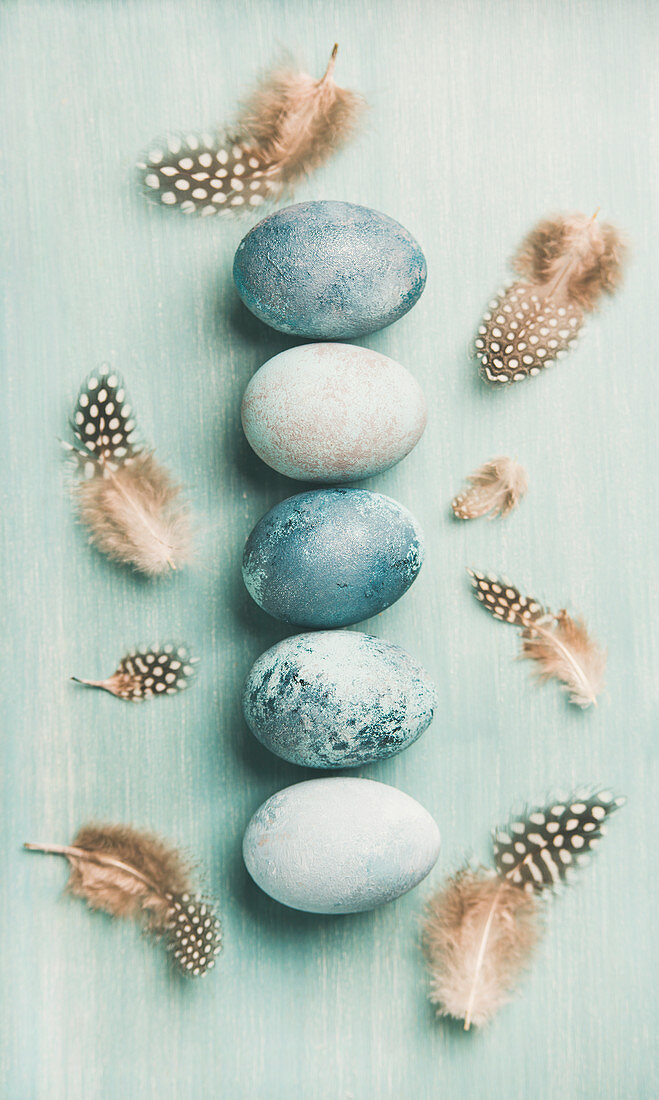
(129, 873)
(560, 645)
(495, 488)
(481, 928)
(290, 126)
(565, 265)
(130, 504)
(143, 673)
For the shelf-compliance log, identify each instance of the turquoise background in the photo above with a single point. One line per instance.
(484, 117)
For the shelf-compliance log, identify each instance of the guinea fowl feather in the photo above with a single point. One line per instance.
(566, 264)
(290, 125)
(129, 503)
(481, 928)
(145, 673)
(559, 645)
(130, 873)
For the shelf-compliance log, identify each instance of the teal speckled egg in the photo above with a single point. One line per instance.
(329, 270)
(339, 845)
(332, 557)
(337, 699)
(332, 412)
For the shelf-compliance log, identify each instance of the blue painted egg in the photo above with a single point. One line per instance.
(339, 845)
(332, 412)
(337, 699)
(329, 270)
(332, 557)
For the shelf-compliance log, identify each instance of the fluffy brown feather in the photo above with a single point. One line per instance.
(496, 487)
(135, 515)
(119, 891)
(564, 651)
(290, 125)
(479, 935)
(572, 257)
(296, 122)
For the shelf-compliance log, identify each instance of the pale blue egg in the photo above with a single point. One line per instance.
(337, 699)
(329, 270)
(339, 845)
(332, 412)
(332, 557)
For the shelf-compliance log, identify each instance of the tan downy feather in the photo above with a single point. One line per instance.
(479, 934)
(296, 122)
(136, 517)
(564, 651)
(572, 257)
(495, 488)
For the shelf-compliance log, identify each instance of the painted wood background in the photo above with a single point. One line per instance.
(484, 117)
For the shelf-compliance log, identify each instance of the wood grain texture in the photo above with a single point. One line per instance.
(485, 116)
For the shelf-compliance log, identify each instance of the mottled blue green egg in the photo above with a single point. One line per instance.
(337, 699)
(329, 270)
(332, 557)
(339, 845)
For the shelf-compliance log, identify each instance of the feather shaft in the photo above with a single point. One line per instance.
(92, 857)
(479, 959)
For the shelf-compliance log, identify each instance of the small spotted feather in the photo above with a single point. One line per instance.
(143, 673)
(539, 849)
(559, 645)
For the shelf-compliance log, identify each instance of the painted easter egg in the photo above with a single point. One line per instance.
(329, 270)
(337, 699)
(332, 412)
(332, 557)
(339, 845)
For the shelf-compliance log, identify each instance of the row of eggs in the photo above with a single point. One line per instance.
(333, 557)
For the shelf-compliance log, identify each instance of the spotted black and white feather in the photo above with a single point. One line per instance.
(482, 926)
(192, 933)
(103, 424)
(559, 645)
(538, 849)
(130, 873)
(566, 264)
(289, 127)
(128, 501)
(143, 673)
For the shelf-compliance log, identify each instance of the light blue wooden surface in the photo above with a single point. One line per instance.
(484, 117)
